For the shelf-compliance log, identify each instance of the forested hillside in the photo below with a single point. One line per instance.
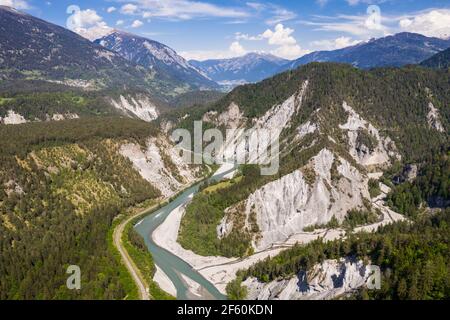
(61, 185)
(440, 60)
(405, 107)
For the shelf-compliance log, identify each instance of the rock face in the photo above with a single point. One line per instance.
(306, 128)
(156, 57)
(383, 147)
(309, 196)
(328, 280)
(434, 118)
(139, 106)
(159, 164)
(12, 118)
(274, 121)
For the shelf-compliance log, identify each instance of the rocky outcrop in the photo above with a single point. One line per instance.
(328, 186)
(13, 118)
(159, 164)
(327, 280)
(383, 148)
(60, 117)
(139, 106)
(434, 118)
(307, 128)
(269, 127)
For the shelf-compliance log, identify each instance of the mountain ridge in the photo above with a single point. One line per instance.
(252, 67)
(155, 56)
(395, 50)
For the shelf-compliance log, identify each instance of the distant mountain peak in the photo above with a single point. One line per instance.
(251, 67)
(156, 56)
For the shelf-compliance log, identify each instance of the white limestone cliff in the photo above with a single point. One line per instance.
(327, 280)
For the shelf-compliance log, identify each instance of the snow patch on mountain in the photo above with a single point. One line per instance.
(139, 106)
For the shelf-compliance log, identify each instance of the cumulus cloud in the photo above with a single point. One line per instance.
(18, 4)
(111, 9)
(434, 23)
(137, 24)
(87, 23)
(287, 45)
(129, 9)
(119, 22)
(237, 48)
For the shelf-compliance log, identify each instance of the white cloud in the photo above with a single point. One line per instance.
(364, 26)
(247, 37)
(129, 9)
(137, 24)
(279, 36)
(281, 15)
(287, 45)
(237, 48)
(180, 9)
(111, 9)
(434, 23)
(87, 23)
(338, 43)
(119, 22)
(356, 2)
(18, 4)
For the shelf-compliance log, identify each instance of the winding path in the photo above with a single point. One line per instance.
(129, 263)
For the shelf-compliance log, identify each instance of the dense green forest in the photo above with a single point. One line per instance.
(430, 188)
(196, 98)
(440, 60)
(62, 184)
(39, 100)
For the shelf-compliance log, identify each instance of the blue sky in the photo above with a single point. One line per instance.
(204, 29)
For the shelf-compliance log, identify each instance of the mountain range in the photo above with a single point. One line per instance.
(391, 51)
(157, 57)
(252, 67)
(31, 48)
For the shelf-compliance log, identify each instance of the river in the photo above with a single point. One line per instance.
(169, 263)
